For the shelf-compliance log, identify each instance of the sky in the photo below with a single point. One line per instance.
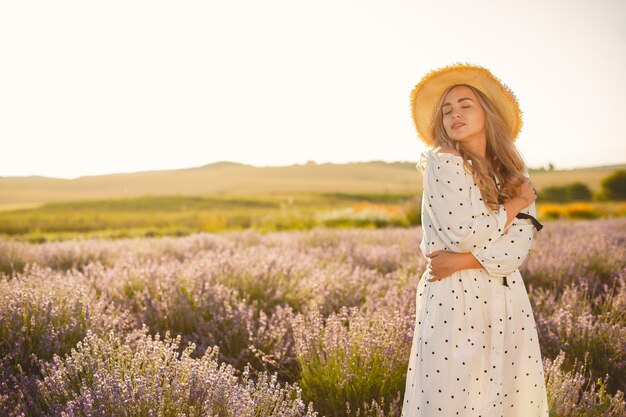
(89, 88)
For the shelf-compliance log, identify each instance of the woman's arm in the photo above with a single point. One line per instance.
(504, 255)
(513, 207)
(444, 263)
(500, 255)
(447, 200)
(499, 258)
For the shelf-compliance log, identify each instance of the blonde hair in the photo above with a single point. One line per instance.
(502, 157)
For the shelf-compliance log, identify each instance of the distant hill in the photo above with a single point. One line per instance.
(231, 178)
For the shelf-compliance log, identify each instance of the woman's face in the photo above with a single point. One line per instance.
(463, 117)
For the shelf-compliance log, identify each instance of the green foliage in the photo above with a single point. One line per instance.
(352, 359)
(614, 186)
(580, 192)
(576, 191)
(155, 216)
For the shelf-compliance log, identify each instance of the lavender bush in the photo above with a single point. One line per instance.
(43, 313)
(566, 251)
(579, 323)
(330, 311)
(110, 376)
(356, 356)
(572, 394)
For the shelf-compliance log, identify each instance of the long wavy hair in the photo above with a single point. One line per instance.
(502, 158)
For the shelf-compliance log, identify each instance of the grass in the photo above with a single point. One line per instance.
(156, 216)
(150, 216)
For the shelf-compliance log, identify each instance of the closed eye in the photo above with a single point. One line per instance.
(466, 107)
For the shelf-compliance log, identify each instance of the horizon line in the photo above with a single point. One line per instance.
(309, 162)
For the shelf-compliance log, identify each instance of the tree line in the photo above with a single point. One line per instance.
(613, 189)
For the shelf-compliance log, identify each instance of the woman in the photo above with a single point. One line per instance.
(475, 350)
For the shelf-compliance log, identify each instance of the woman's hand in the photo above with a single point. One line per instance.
(443, 263)
(527, 190)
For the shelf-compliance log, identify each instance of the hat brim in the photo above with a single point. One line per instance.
(427, 94)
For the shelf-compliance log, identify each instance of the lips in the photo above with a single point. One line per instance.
(454, 126)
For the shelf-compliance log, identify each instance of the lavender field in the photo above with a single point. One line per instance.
(313, 323)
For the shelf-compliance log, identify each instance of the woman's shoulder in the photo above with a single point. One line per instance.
(447, 150)
(439, 155)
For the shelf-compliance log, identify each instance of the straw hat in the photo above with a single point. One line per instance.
(427, 95)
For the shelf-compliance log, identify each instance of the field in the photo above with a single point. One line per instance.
(286, 323)
(228, 179)
(152, 216)
(233, 290)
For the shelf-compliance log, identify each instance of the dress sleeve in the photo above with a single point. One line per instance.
(504, 255)
(447, 198)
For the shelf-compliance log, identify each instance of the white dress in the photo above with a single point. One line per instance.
(475, 350)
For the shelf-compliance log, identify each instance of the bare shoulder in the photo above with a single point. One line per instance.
(446, 149)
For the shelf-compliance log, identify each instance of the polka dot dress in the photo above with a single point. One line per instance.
(475, 350)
